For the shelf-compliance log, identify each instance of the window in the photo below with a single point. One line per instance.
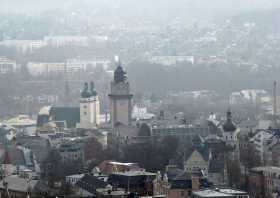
(85, 113)
(85, 106)
(182, 193)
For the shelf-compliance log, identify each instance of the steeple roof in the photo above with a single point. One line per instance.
(85, 93)
(88, 92)
(119, 75)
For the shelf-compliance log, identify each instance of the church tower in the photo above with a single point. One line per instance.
(230, 135)
(120, 99)
(89, 108)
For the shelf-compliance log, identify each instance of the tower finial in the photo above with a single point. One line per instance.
(229, 116)
(85, 92)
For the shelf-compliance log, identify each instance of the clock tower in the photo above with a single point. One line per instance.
(120, 99)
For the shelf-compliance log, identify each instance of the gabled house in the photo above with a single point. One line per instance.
(197, 162)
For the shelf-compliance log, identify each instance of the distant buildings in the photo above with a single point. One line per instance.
(7, 66)
(62, 41)
(172, 60)
(23, 45)
(251, 96)
(70, 66)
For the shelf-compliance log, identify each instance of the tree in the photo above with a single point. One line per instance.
(153, 156)
(93, 150)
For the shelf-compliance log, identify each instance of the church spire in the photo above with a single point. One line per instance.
(119, 74)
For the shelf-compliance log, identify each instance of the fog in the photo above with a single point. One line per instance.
(193, 8)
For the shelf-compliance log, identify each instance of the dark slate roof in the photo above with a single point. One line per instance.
(91, 183)
(69, 114)
(69, 147)
(173, 173)
(183, 176)
(134, 178)
(182, 181)
(229, 126)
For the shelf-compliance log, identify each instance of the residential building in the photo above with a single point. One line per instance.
(140, 182)
(73, 179)
(176, 183)
(62, 41)
(71, 152)
(260, 141)
(264, 181)
(224, 192)
(109, 192)
(21, 187)
(7, 65)
(109, 167)
(90, 183)
(24, 45)
(196, 162)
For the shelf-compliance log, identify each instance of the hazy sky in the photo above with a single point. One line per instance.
(218, 6)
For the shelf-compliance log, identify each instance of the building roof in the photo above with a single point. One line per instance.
(229, 126)
(183, 176)
(69, 114)
(90, 183)
(215, 193)
(273, 169)
(18, 184)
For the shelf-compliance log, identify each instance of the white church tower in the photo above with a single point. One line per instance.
(89, 108)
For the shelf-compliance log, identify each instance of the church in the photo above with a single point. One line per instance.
(87, 115)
